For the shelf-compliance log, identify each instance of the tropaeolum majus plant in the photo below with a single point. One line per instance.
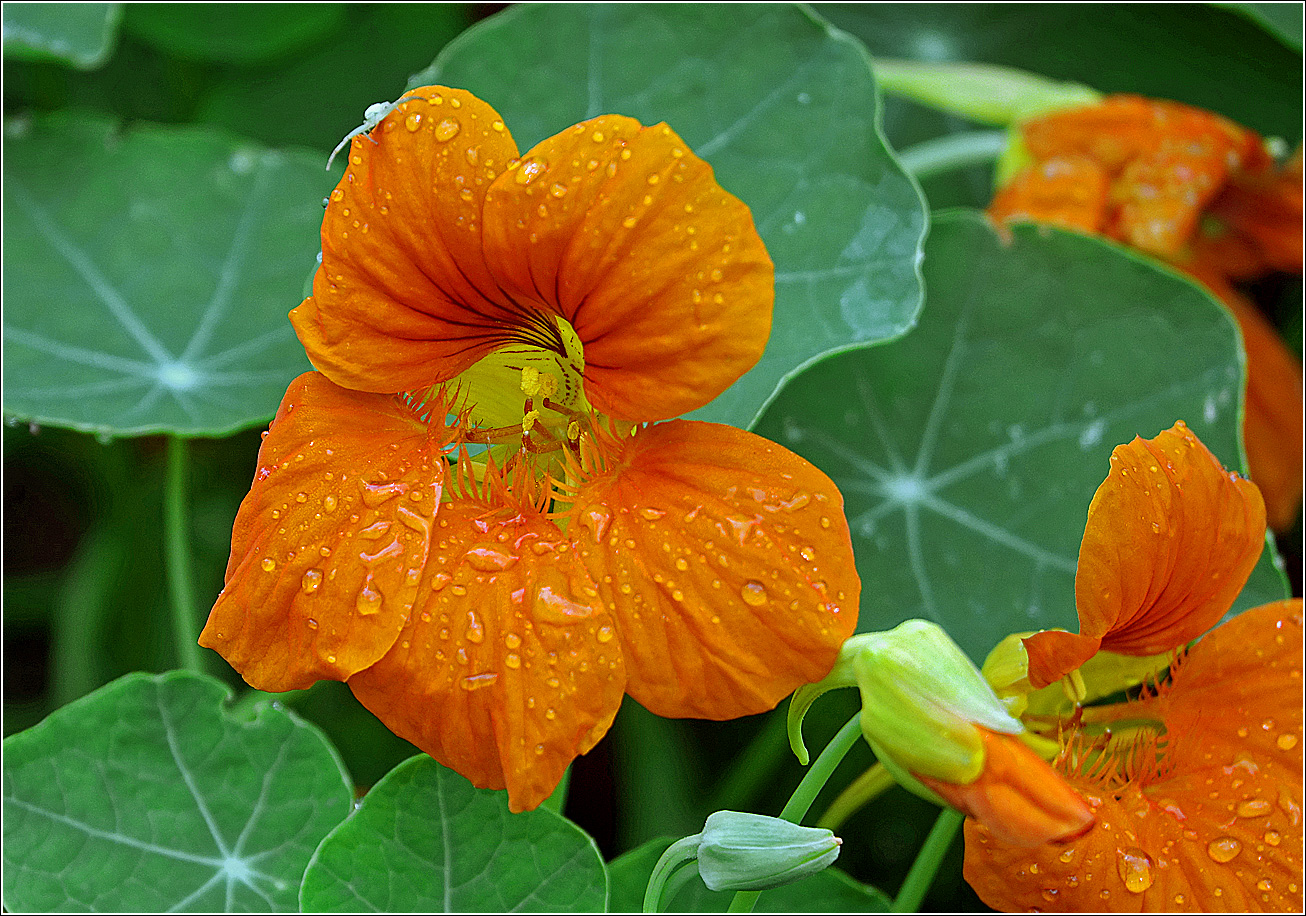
(557, 309)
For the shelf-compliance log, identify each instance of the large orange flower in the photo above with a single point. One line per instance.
(1202, 193)
(493, 608)
(1196, 786)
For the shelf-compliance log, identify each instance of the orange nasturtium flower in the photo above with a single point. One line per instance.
(1196, 785)
(493, 609)
(1201, 193)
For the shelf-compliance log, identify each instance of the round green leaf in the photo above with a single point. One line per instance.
(80, 34)
(829, 891)
(968, 452)
(148, 275)
(425, 840)
(233, 33)
(781, 105)
(150, 795)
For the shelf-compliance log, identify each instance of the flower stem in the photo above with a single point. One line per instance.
(923, 870)
(860, 792)
(176, 551)
(954, 151)
(675, 858)
(812, 784)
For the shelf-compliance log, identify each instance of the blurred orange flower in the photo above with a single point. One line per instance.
(1202, 193)
(494, 608)
(1196, 785)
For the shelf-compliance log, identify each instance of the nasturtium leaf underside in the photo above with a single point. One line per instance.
(148, 274)
(80, 34)
(233, 33)
(829, 891)
(784, 109)
(425, 839)
(968, 451)
(149, 796)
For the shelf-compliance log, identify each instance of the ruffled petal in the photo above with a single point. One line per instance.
(509, 666)
(624, 232)
(728, 564)
(328, 545)
(1219, 827)
(403, 298)
(1170, 540)
(1067, 191)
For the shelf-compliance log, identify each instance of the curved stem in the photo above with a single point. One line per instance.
(860, 792)
(954, 151)
(812, 784)
(176, 553)
(677, 855)
(923, 870)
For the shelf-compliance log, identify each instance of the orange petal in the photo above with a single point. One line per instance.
(729, 565)
(1219, 828)
(1264, 208)
(1068, 191)
(1170, 540)
(508, 666)
(403, 298)
(1018, 796)
(624, 232)
(328, 544)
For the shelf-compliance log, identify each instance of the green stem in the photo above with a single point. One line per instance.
(927, 862)
(860, 792)
(954, 151)
(678, 855)
(176, 552)
(805, 795)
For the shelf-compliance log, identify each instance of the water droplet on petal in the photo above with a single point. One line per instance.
(374, 494)
(652, 514)
(1135, 868)
(512, 660)
(328, 503)
(312, 624)
(413, 121)
(311, 580)
(447, 129)
(1254, 807)
(369, 599)
(597, 519)
(512, 640)
(529, 170)
(1286, 742)
(558, 190)
(553, 607)
(605, 634)
(753, 593)
(268, 564)
(489, 558)
(1223, 849)
(475, 629)
(477, 681)
(1273, 837)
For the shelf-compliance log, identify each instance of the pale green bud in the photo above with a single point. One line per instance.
(751, 852)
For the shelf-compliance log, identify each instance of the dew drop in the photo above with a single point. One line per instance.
(328, 503)
(753, 593)
(1264, 885)
(268, 564)
(1286, 742)
(459, 590)
(475, 629)
(1135, 868)
(413, 122)
(311, 581)
(369, 599)
(312, 624)
(512, 640)
(605, 634)
(512, 660)
(529, 170)
(651, 514)
(629, 222)
(439, 581)
(1273, 837)
(597, 519)
(682, 564)
(489, 558)
(558, 190)
(1067, 856)
(1223, 849)
(1254, 807)
(539, 750)
(447, 129)
(477, 681)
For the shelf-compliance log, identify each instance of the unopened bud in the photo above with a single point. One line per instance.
(751, 852)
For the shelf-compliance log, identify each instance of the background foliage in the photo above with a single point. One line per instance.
(163, 177)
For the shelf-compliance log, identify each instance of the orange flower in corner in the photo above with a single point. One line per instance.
(1196, 785)
(494, 608)
(1202, 193)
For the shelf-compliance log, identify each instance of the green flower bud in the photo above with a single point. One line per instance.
(752, 852)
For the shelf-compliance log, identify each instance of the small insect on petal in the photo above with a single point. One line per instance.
(374, 115)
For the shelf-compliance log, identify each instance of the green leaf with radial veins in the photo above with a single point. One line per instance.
(149, 796)
(968, 452)
(80, 34)
(148, 275)
(425, 840)
(785, 110)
